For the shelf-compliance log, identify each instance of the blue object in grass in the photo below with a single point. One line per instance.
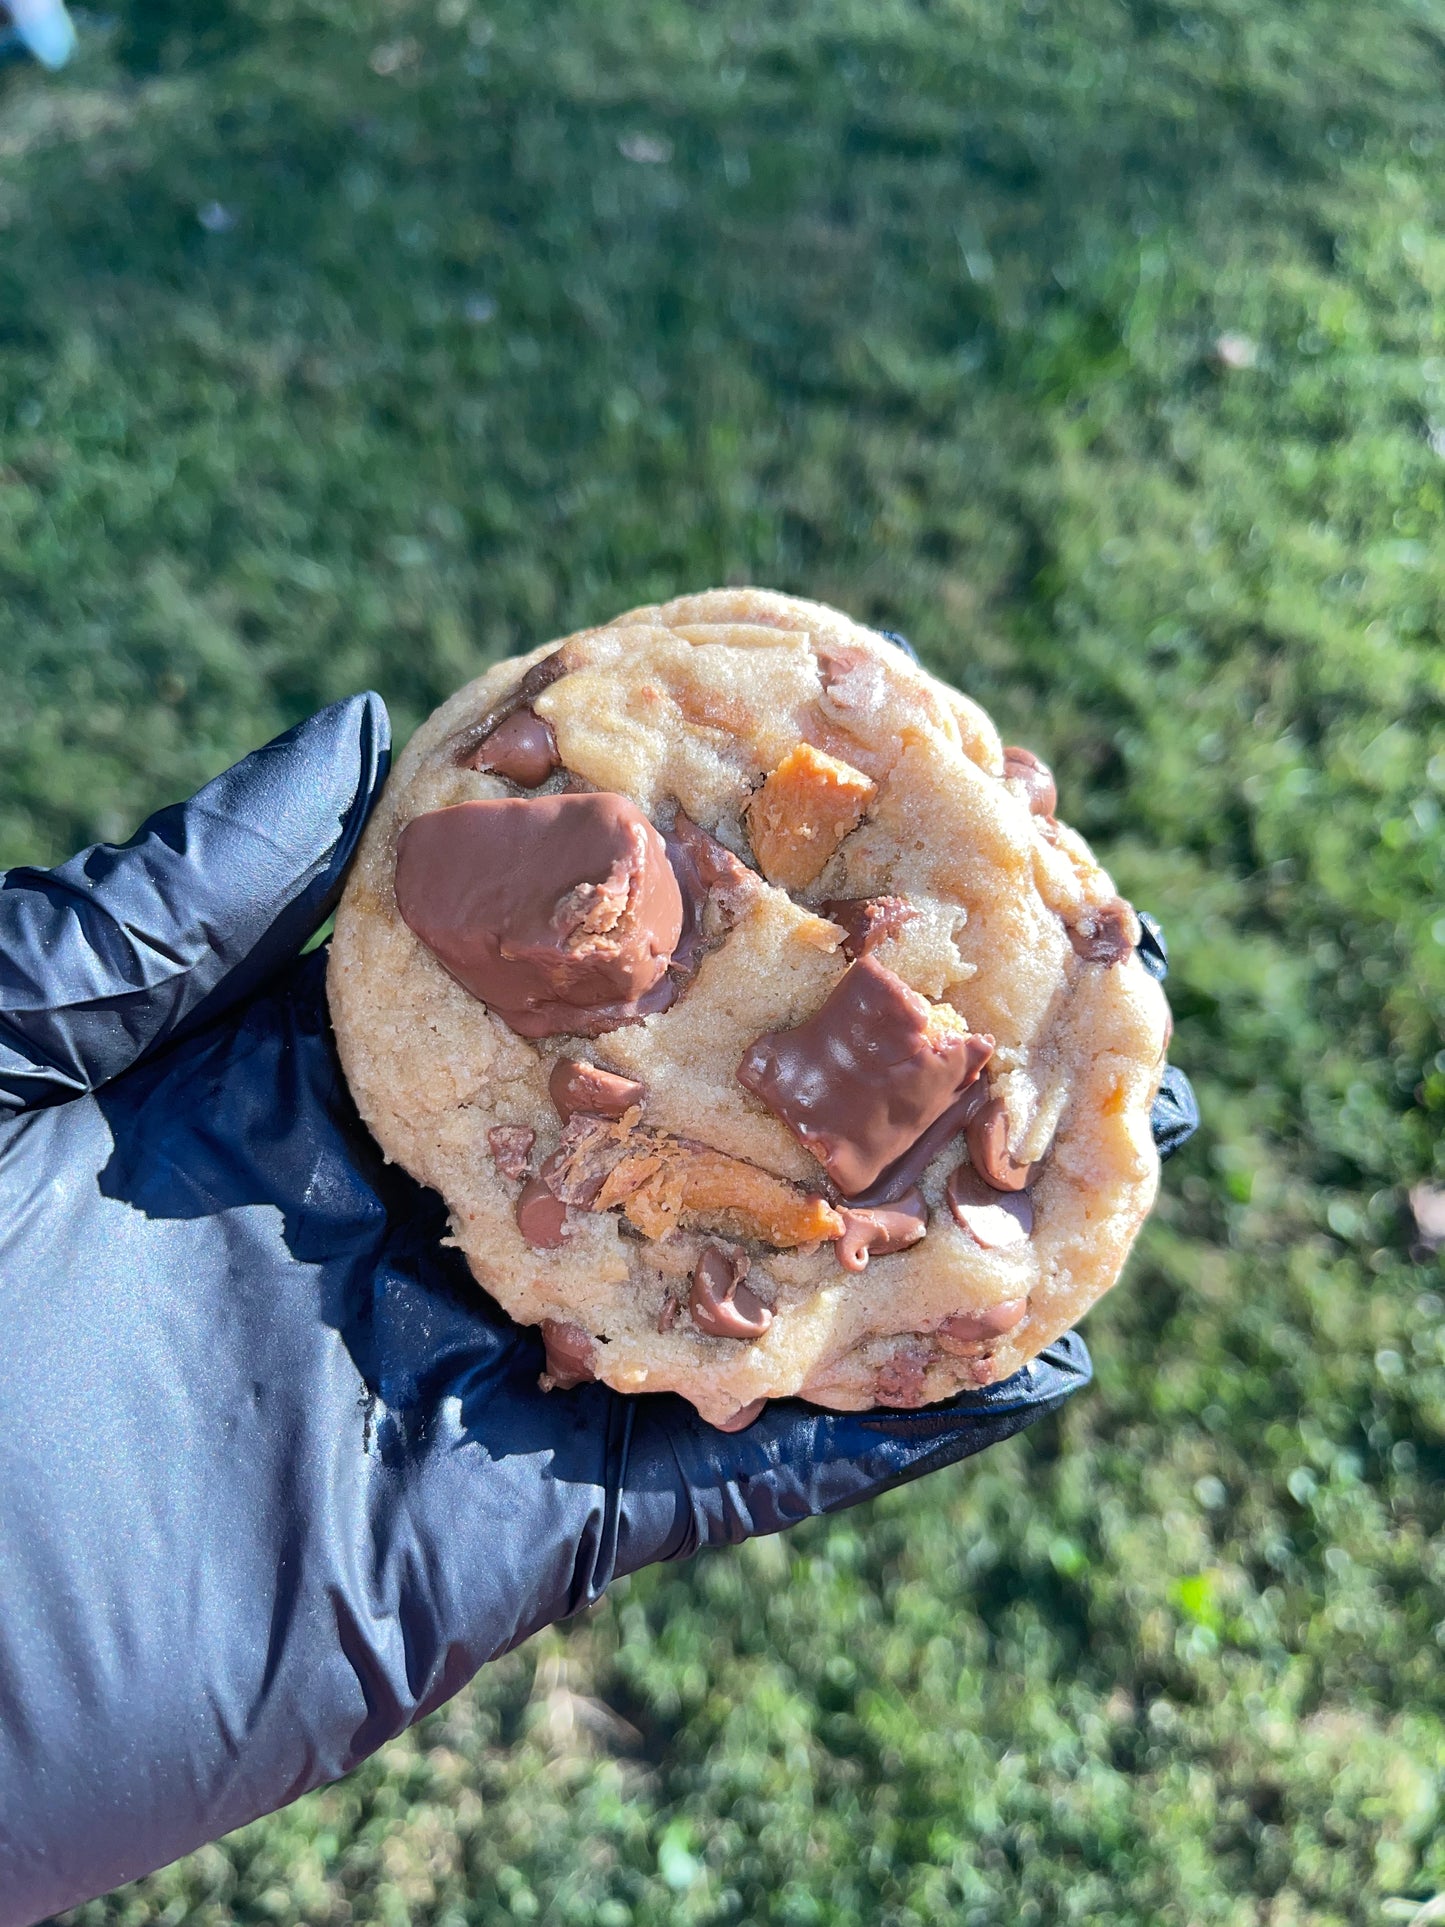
(41, 28)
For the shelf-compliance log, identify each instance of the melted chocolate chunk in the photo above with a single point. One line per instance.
(994, 1219)
(523, 749)
(578, 1086)
(720, 1303)
(900, 1177)
(571, 1356)
(1034, 778)
(1104, 934)
(511, 1146)
(704, 868)
(867, 921)
(880, 1232)
(525, 692)
(987, 1137)
(860, 1081)
(900, 1379)
(559, 912)
(968, 1334)
(540, 1215)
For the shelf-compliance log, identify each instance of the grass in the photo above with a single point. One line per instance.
(358, 344)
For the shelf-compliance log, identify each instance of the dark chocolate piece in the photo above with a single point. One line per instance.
(521, 696)
(720, 1303)
(868, 921)
(880, 1232)
(861, 1080)
(578, 1086)
(987, 1137)
(1104, 933)
(968, 1334)
(743, 1417)
(540, 1215)
(523, 749)
(571, 1356)
(704, 868)
(1034, 778)
(994, 1219)
(559, 912)
(511, 1146)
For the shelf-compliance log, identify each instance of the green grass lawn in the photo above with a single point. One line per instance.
(356, 344)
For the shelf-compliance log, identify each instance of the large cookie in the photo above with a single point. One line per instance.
(764, 1030)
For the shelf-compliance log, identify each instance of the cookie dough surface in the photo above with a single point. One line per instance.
(687, 1234)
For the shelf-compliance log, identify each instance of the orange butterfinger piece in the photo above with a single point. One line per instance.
(671, 1179)
(808, 804)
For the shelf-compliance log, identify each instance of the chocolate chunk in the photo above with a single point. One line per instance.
(559, 912)
(667, 1317)
(743, 1417)
(900, 1177)
(968, 1334)
(861, 1080)
(578, 1086)
(868, 921)
(881, 1231)
(994, 1219)
(571, 1356)
(987, 1138)
(541, 1215)
(720, 1303)
(521, 696)
(523, 749)
(511, 1146)
(704, 869)
(1104, 933)
(1034, 777)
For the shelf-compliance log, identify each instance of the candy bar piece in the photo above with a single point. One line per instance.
(862, 1079)
(808, 804)
(559, 912)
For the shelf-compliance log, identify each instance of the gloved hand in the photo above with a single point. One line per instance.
(275, 1477)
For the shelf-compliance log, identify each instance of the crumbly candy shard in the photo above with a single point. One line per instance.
(662, 1181)
(806, 807)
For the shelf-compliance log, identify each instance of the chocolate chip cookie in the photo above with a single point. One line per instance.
(764, 1029)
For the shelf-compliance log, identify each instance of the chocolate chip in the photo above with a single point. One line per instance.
(571, 1356)
(540, 1215)
(559, 912)
(667, 1317)
(994, 1219)
(1104, 933)
(523, 749)
(881, 1231)
(521, 696)
(704, 868)
(511, 1146)
(987, 1138)
(867, 921)
(861, 1080)
(578, 1086)
(742, 1418)
(1033, 776)
(720, 1303)
(967, 1334)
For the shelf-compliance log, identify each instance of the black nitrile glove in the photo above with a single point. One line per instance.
(275, 1476)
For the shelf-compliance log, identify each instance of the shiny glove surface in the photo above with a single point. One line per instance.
(275, 1476)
